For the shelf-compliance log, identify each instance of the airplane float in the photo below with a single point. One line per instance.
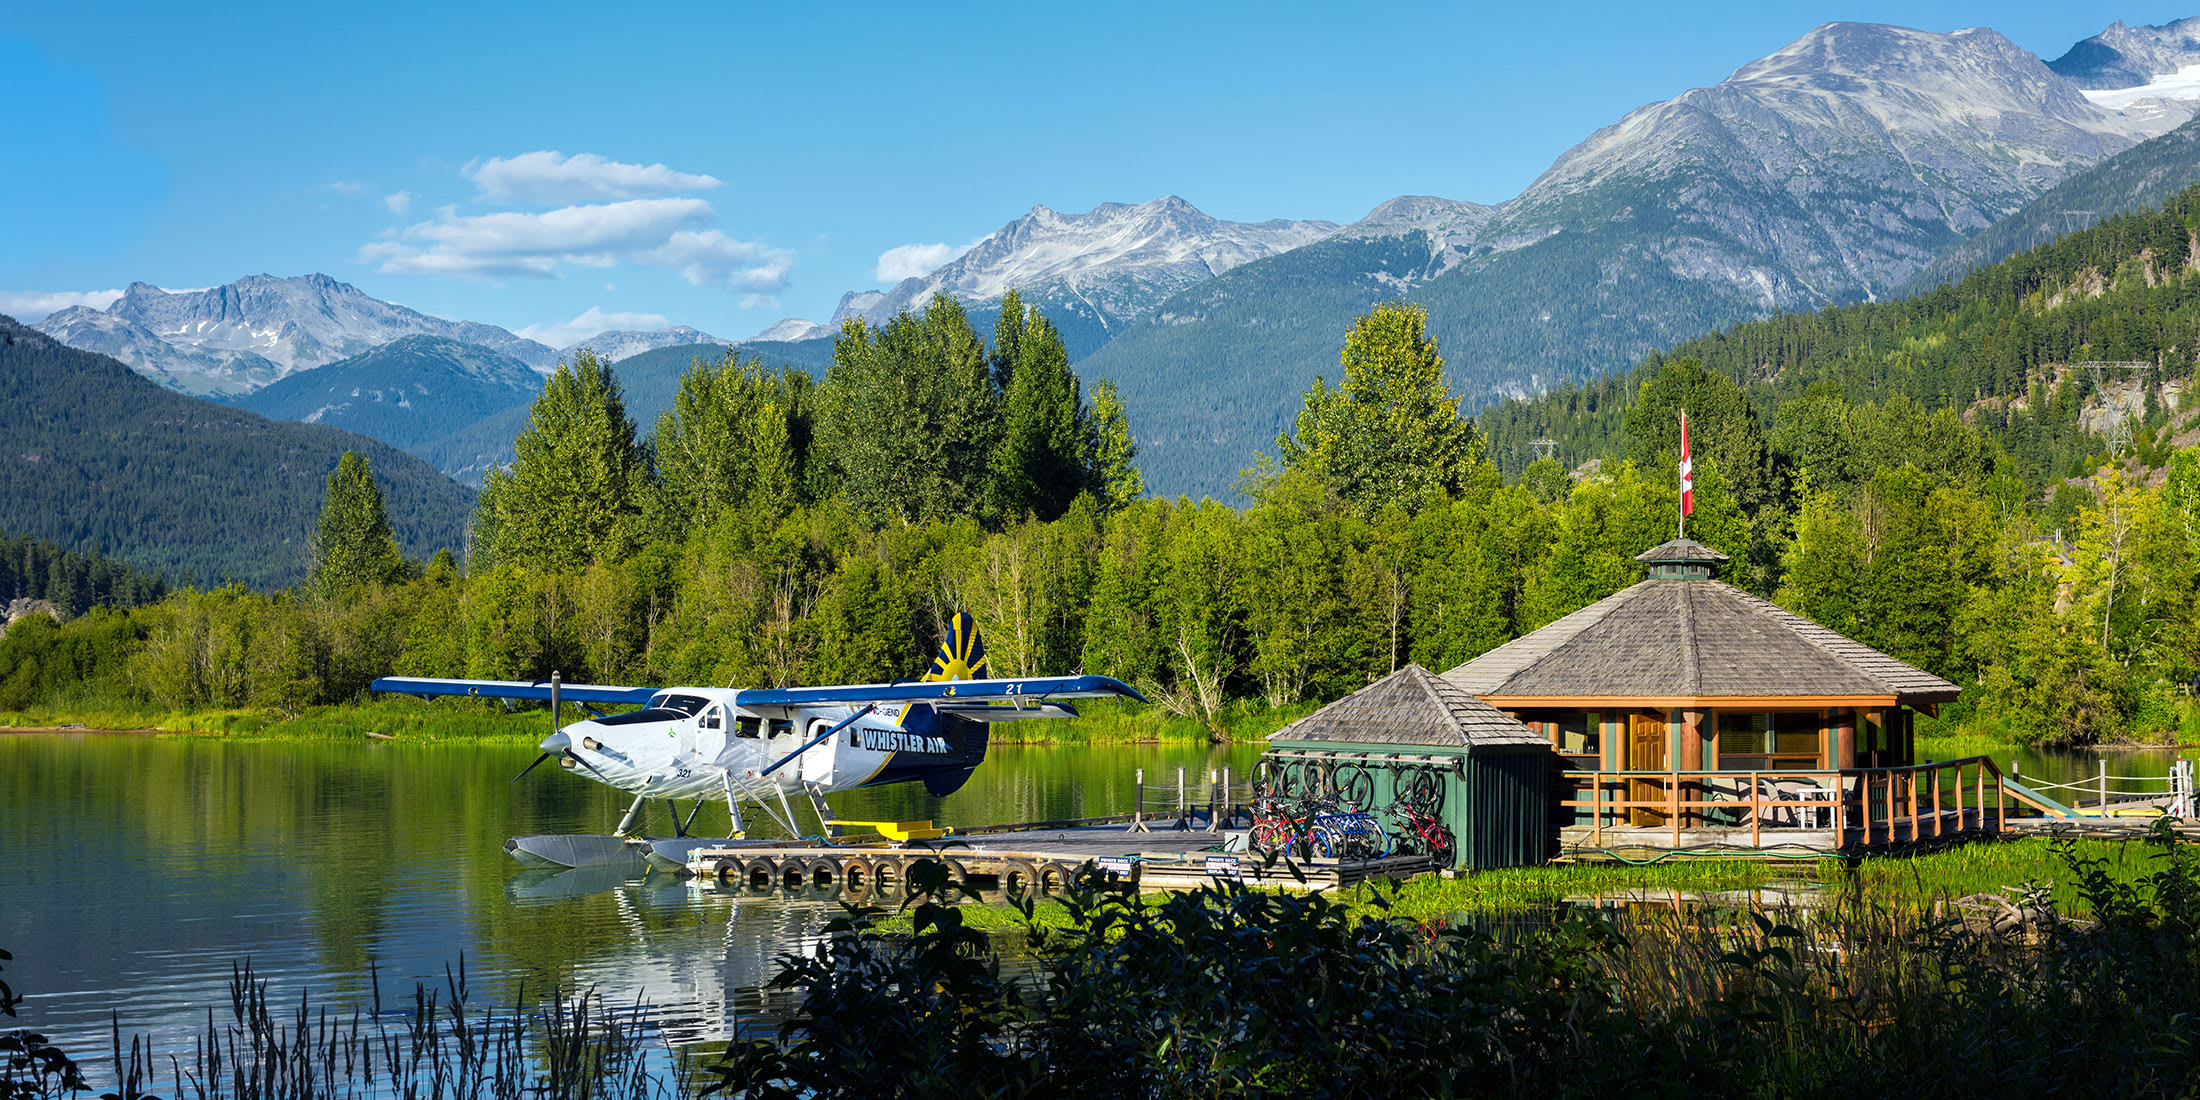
(763, 745)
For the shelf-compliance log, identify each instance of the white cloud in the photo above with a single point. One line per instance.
(400, 203)
(347, 187)
(567, 333)
(911, 261)
(29, 306)
(661, 233)
(549, 177)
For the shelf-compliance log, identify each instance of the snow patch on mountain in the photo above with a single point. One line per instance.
(791, 329)
(1118, 260)
(615, 345)
(243, 335)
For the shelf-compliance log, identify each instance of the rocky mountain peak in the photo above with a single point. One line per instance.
(2123, 56)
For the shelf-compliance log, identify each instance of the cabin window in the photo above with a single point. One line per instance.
(713, 719)
(781, 727)
(1777, 740)
(1577, 732)
(747, 726)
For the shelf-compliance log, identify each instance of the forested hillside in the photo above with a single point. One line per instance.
(98, 456)
(1992, 350)
(406, 393)
(767, 532)
(2139, 178)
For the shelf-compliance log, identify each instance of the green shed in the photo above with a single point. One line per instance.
(1411, 736)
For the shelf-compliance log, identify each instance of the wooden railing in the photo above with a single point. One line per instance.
(1876, 805)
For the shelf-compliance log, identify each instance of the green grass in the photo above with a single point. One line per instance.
(1104, 722)
(409, 720)
(1907, 882)
(1100, 723)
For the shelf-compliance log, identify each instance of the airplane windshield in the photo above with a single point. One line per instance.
(663, 708)
(688, 705)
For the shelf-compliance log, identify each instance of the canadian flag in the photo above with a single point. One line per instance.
(1688, 468)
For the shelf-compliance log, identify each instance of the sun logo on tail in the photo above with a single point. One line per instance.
(962, 655)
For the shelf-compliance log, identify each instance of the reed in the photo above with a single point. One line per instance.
(433, 1046)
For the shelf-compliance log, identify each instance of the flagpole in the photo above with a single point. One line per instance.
(1684, 472)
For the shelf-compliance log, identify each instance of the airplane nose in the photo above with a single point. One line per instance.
(557, 742)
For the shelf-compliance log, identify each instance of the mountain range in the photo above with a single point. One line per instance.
(1855, 162)
(100, 457)
(1091, 273)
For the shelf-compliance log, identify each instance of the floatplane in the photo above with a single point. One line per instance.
(768, 746)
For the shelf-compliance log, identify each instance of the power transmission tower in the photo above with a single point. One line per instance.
(2119, 432)
(1544, 448)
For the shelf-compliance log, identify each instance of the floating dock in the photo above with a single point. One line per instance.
(1042, 857)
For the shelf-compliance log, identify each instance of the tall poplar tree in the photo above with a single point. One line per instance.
(353, 544)
(911, 416)
(1390, 430)
(576, 489)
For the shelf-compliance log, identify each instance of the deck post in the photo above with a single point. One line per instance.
(1211, 811)
(2104, 786)
(1226, 796)
(1756, 811)
(1673, 803)
(1138, 802)
(1183, 805)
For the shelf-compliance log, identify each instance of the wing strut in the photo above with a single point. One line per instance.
(815, 741)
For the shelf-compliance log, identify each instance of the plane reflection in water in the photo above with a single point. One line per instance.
(760, 746)
(693, 979)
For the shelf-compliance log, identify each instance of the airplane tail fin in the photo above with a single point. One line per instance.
(962, 655)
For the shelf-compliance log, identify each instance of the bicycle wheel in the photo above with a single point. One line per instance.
(1327, 840)
(1355, 788)
(1269, 837)
(1441, 847)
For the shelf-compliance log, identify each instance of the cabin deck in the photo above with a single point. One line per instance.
(1042, 857)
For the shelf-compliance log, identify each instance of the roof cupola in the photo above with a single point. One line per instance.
(1681, 560)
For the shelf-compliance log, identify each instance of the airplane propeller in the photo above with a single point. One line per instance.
(531, 767)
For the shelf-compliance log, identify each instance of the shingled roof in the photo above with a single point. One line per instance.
(1690, 637)
(1413, 706)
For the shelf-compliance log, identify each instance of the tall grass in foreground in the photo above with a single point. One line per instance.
(436, 1046)
(1232, 992)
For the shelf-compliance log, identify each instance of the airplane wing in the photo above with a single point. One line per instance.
(425, 686)
(1043, 692)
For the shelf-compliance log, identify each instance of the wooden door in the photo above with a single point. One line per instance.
(1649, 748)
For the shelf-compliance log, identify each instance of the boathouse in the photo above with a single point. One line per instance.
(1687, 714)
(1412, 737)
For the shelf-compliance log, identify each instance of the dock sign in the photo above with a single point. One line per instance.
(1115, 865)
(1222, 867)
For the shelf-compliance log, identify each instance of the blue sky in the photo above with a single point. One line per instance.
(727, 165)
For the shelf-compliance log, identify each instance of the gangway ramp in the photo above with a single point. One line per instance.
(2035, 799)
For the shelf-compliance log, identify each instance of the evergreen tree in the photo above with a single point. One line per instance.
(1116, 478)
(1041, 464)
(353, 545)
(1721, 424)
(576, 488)
(1391, 430)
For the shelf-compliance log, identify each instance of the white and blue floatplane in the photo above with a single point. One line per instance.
(765, 746)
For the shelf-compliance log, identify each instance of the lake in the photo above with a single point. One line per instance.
(136, 870)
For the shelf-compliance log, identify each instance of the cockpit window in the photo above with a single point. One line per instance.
(687, 705)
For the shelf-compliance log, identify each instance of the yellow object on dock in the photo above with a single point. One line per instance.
(896, 831)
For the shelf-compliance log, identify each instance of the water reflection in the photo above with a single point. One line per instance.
(138, 869)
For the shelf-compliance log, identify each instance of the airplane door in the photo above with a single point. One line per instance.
(817, 763)
(710, 731)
